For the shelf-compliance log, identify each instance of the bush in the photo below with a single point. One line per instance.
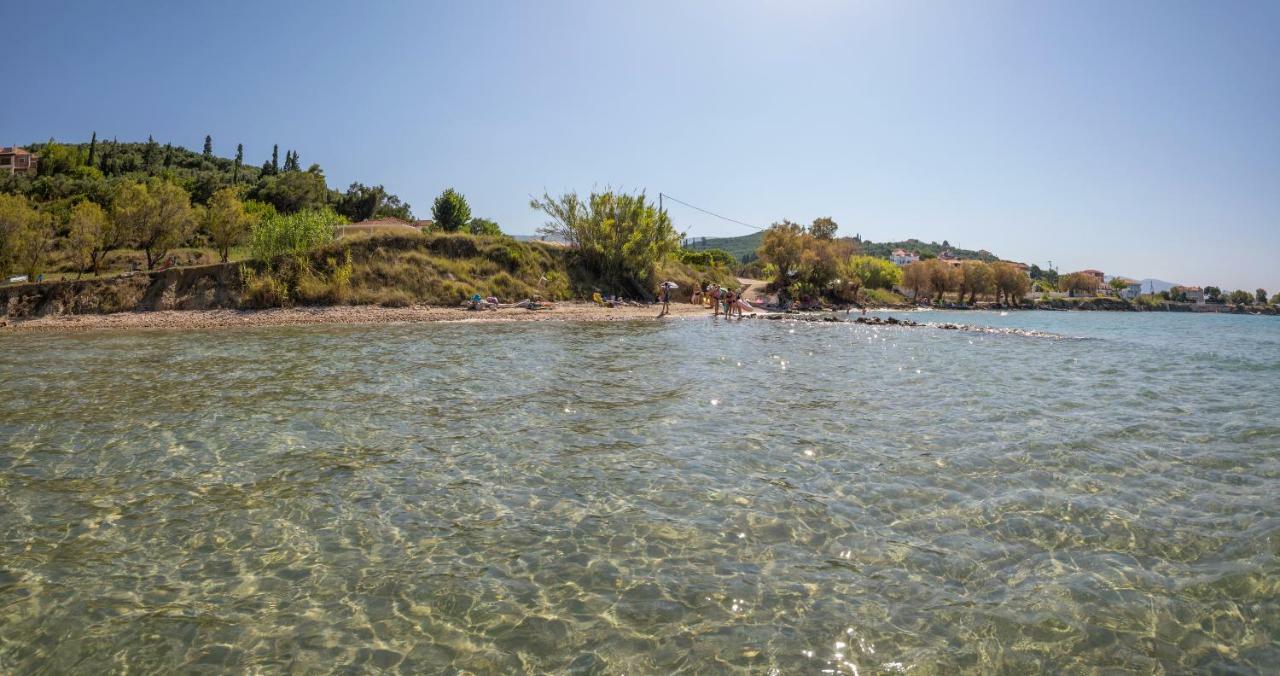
(707, 257)
(263, 289)
(294, 234)
(621, 237)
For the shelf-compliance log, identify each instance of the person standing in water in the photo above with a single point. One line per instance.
(664, 292)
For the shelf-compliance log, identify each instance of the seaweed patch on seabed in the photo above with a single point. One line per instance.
(891, 321)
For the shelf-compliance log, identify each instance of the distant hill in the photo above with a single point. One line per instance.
(1159, 285)
(744, 248)
(883, 249)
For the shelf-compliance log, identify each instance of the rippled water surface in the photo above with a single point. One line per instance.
(688, 496)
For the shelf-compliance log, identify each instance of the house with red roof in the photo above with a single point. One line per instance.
(15, 160)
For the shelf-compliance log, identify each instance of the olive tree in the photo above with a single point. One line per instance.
(88, 230)
(26, 236)
(976, 277)
(155, 216)
(226, 221)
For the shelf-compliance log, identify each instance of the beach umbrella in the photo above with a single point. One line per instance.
(670, 285)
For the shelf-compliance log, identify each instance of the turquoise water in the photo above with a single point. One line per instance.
(688, 496)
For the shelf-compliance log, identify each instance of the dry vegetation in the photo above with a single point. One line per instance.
(397, 270)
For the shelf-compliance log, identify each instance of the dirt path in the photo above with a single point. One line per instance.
(754, 288)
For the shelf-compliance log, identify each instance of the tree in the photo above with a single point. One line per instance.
(823, 228)
(783, 247)
(291, 161)
(942, 277)
(976, 277)
(155, 216)
(235, 176)
(1078, 282)
(1261, 295)
(360, 202)
(1119, 284)
(93, 146)
(1213, 294)
(56, 158)
(1275, 300)
(293, 191)
(151, 153)
(87, 236)
(26, 236)
(484, 227)
(226, 221)
(168, 154)
(915, 277)
(451, 212)
(869, 272)
(208, 147)
(275, 158)
(1240, 297)
(1010, 282)
(620, 236)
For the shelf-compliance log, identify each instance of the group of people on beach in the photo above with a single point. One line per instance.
(721, 299)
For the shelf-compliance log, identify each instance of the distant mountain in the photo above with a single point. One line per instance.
(744, 248)
(1150, 285)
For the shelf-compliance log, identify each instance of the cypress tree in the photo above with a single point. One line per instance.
(168, 154)
(235, 176)
(93, 146)
(149, 155)
(275, 158)
(208, 146)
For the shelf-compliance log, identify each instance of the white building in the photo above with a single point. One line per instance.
(903, 257)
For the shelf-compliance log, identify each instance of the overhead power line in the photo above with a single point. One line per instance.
(709, 213)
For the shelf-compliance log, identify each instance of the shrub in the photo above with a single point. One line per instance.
(451, 212)
(707, 257)
(621, 237)
(263, 289)
(292, 235)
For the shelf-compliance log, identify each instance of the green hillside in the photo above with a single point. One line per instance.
(883, 249)
(744, 248)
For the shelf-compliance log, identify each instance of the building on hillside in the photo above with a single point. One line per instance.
(1195, 294)
(427, 225)
(903, 257)
(948, 255)
(15, 160)
(1096, 274)
(1132, 291)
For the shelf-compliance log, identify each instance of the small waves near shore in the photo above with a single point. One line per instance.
(645, 497)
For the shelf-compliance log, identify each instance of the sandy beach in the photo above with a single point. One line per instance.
(344, 314)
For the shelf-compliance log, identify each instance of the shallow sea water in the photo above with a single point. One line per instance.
(689, 496)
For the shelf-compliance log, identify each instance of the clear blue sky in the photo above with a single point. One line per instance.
(1138, 138)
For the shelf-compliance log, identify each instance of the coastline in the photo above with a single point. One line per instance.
(337, 314)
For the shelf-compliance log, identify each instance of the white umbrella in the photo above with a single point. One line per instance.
(670, 285)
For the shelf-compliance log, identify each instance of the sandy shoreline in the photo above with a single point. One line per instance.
(342, 314)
